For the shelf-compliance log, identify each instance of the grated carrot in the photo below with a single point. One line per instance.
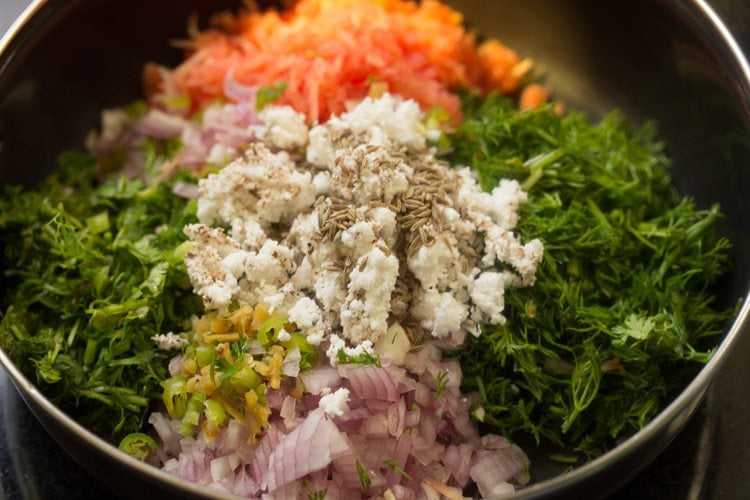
(532, 96)
(329, 52)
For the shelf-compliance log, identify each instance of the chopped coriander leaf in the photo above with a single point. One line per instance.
(624, 291)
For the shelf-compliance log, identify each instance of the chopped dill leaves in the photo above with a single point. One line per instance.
(396, 467)
(364, 477)
(363, 358)
(442, 383)
(228, 370)
(317, 495)
(622, 303)
(90, 271)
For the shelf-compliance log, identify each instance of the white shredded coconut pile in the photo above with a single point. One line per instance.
(308, 317)
(368, 231)
(282, 128)
(262, 186)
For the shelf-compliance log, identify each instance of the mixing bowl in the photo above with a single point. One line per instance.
(672, 61)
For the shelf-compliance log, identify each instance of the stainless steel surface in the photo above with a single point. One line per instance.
(9, 11)
(572, 73)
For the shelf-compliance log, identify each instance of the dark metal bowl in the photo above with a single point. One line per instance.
(672, 61)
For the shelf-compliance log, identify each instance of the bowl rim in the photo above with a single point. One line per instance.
(701, 12)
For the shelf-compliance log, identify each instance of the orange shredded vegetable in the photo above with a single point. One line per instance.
(532, 96)
(330, 52)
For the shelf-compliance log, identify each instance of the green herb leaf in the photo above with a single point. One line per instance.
(228, 370)
(270, 94)
(396, 467)
(364, 477)
(318, 495)
(363, 358)
(442, 383)
(89, 275)
(622, 306)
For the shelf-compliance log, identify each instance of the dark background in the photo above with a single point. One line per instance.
(710, 459)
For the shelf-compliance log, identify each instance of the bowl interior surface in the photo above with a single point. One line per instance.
(654, 60)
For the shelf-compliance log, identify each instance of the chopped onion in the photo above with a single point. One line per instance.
(417, 361)
(492, 470)
(322, 377)
(187, 190)
(220, 468)
(397, 418)
(266, 445)
(310, 447)
(237, 91)
(290, 365)
(156, 123)
(394, 346)
(458, 460)
(288, 412)
(375, 426)
(233, 437)
(401, 454)
(255, 348)
(365, 452)
(274, 398)
(373, 382)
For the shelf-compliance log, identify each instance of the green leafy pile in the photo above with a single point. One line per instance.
(90, 272)
(621, 312)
